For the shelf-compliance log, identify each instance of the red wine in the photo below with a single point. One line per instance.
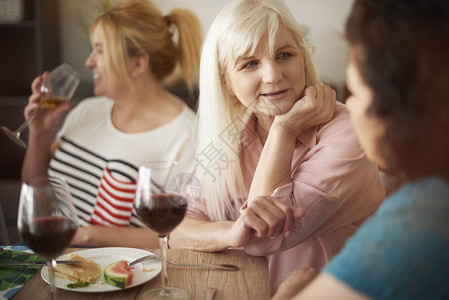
(49, 236)
(163, 213)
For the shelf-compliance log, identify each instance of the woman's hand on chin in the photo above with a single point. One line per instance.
(314, 108)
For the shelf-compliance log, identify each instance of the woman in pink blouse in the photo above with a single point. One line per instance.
(282, 174)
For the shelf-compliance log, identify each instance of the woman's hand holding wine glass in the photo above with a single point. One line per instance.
(49, 91)
(161, 204)
(47, 220)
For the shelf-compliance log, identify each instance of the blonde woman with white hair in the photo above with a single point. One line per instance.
(274, 144)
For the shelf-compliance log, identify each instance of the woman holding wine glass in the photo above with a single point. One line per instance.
(57, 88)
(133, 119)
(47, 220)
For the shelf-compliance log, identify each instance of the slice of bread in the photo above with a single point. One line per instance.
(87, 271)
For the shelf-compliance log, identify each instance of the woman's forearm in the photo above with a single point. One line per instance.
(274, 167)
(101, 236)
(201, 235)
(37, 157)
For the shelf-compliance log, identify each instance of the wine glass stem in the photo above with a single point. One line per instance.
(26, 123)
(51, 263)
(23, 126)
(163, 244)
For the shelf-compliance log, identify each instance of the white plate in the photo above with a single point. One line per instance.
(143, 272)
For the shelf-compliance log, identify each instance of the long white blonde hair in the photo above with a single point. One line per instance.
(236, 31)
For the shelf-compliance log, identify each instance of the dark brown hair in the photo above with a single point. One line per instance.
(402, 53)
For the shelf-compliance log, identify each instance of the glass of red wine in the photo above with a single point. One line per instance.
(161, 204)
(47, 219)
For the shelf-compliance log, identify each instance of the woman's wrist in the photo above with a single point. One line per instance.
(40, 135)
(39, 141)
(282, 131)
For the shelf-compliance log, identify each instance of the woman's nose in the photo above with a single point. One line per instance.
(90, 60)
(272, 72)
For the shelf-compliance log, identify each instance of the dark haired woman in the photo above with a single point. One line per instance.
(398, 76)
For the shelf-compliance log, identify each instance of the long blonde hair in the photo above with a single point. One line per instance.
(236, 31)
(137, 27)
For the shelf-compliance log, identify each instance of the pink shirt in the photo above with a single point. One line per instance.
(331, 179)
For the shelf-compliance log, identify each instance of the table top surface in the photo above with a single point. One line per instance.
(251, 282)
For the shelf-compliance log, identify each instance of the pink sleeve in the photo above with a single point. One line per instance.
(197, 205)
(197, 213)
(335, 184)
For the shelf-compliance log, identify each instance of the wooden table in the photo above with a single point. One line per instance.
(251, 282)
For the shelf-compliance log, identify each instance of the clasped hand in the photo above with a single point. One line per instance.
(265, 217)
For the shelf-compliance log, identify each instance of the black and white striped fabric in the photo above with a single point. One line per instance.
(103, 190)
(100, 162)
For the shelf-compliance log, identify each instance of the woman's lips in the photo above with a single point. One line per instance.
(96, 78)
(274, 95)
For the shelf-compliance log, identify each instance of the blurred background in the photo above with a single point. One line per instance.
(37, 35)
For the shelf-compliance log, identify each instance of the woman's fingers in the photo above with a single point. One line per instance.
(314, 108)
(35, 84)
(268, 216)
(324, 103)
(31, 108)
(330, 98)
(34, 99)
(311, 92)
(38, 81)
(36, 94)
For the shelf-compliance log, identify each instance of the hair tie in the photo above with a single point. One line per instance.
(170, 25)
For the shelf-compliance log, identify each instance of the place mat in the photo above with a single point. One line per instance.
(14, 277)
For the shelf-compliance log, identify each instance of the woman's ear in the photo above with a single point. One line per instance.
(138, 65)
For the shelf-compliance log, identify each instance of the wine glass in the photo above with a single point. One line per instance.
(57, 88)
(161, 204)
(47, 219)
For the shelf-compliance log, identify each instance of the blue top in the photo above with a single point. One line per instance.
(402, 251)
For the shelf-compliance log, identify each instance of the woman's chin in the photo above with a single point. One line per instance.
(98, 92)
(270, 111)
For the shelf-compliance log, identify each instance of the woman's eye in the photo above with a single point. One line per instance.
(250, 65)
(284, 56)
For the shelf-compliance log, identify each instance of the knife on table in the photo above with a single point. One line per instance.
(37, 263)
